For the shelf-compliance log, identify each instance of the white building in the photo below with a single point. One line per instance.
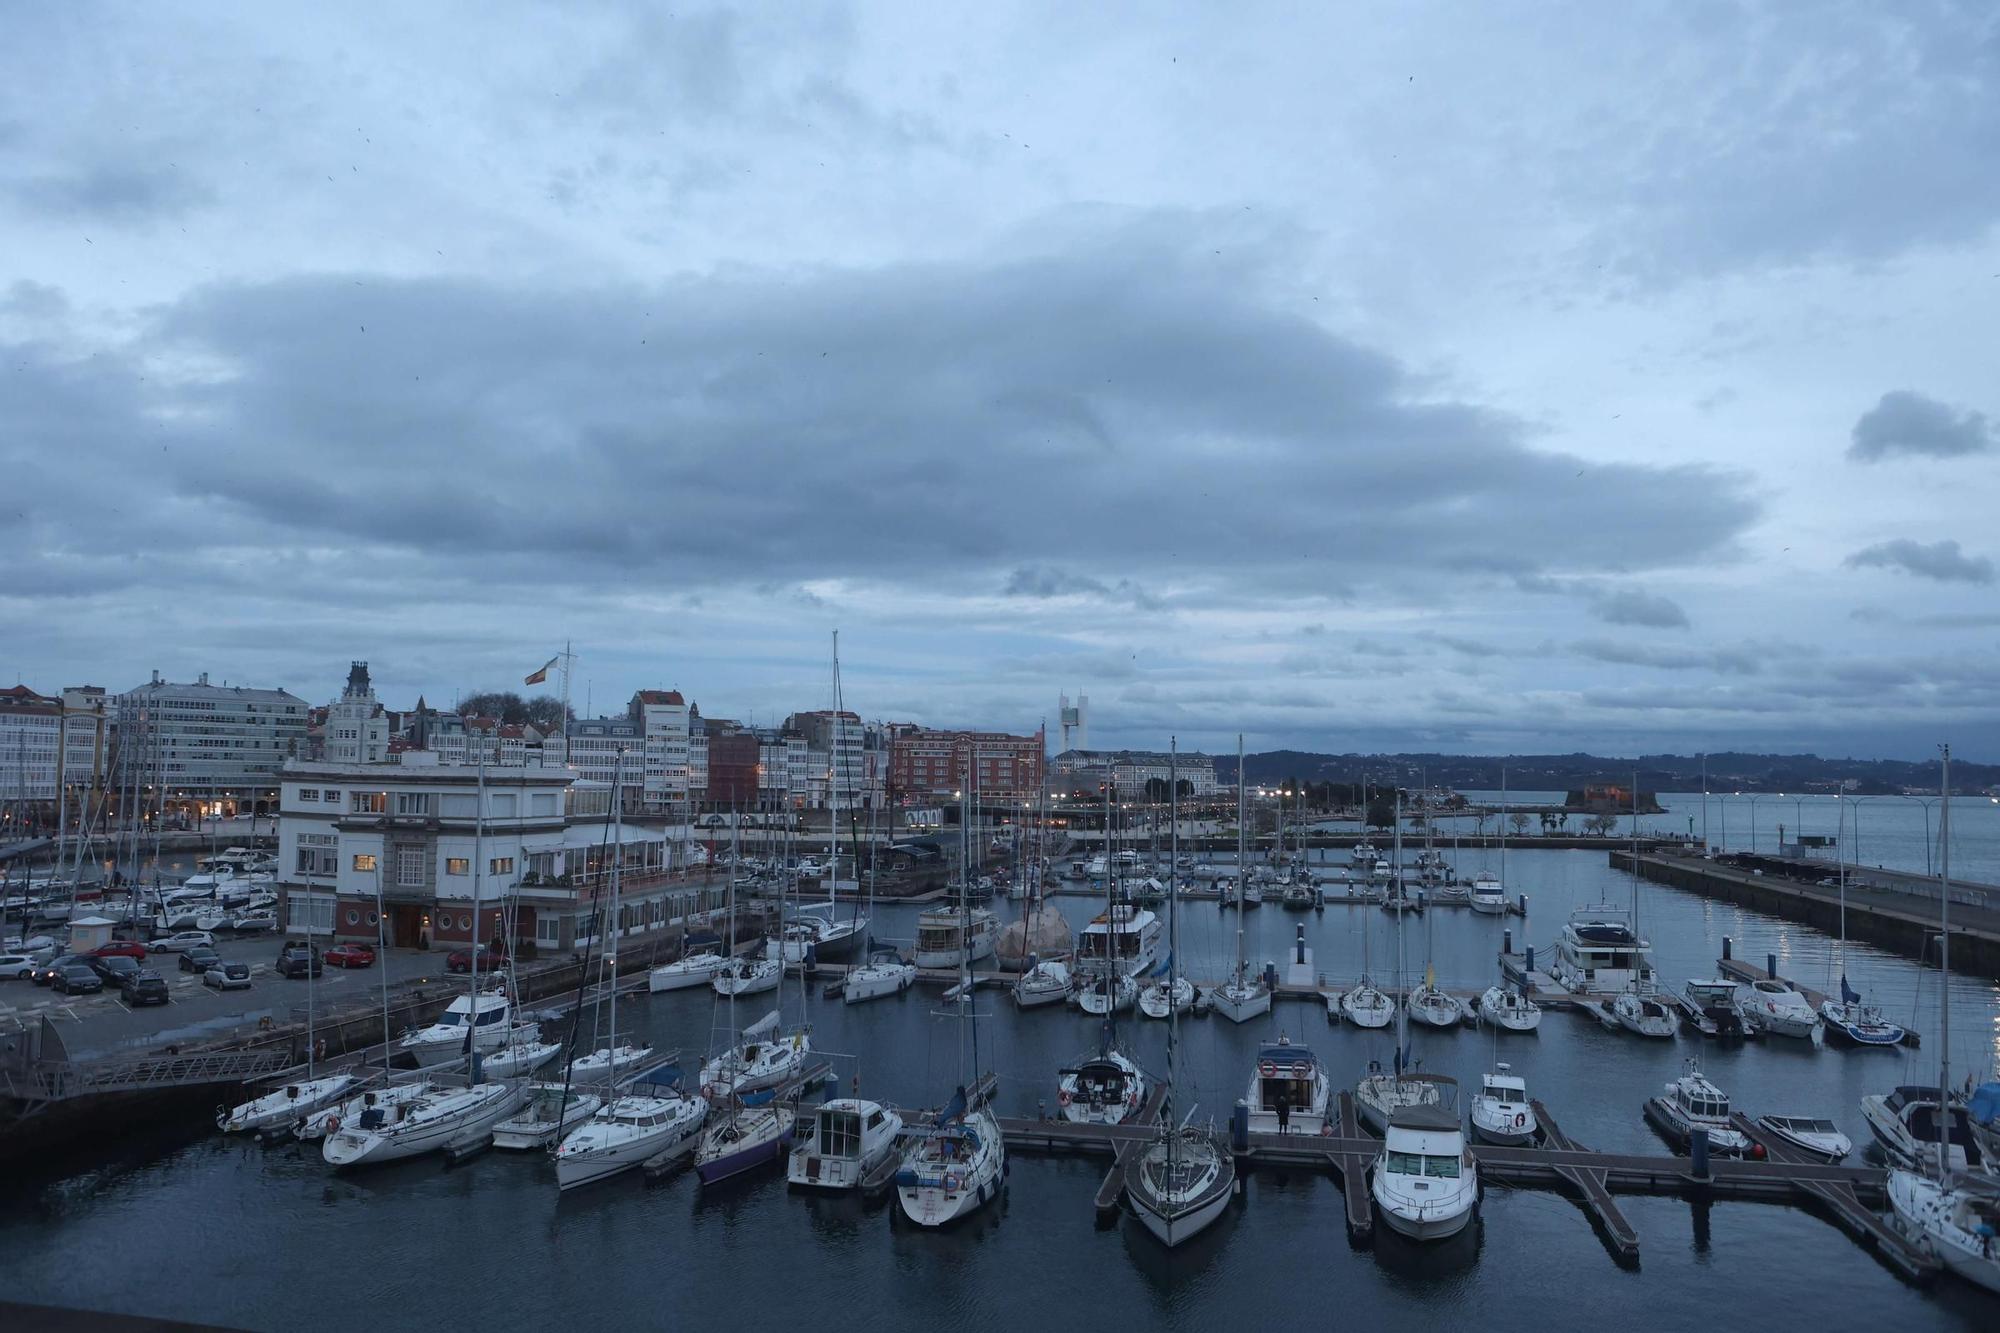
(217, 742)
(662, 720)
(29, 726)
(1132, 770)
(357, 729)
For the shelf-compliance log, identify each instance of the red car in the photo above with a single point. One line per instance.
(350, 955)
(489, 957)
(120, 949)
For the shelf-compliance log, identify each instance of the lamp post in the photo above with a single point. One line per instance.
(1926, 802)
(1756, 797)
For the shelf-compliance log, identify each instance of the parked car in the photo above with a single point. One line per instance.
(228, 976)
(122, 949)
(489, 957)
(299, 959)
(112, 968)
(143, 987)
(350, 955)
(77, 978)
(184, 939)
(199, 959)
(17, 965)
(46, 973)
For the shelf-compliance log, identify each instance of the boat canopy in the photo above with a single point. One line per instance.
(1284, 1054)
(1985, 1104)
(1424, 1116)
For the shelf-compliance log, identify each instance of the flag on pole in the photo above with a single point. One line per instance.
(539, 676)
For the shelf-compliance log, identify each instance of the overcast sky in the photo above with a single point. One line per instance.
(1474, 378)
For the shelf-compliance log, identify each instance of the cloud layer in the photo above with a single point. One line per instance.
(1943, 561)
(1910, 425)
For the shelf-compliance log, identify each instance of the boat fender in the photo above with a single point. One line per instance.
(953, 1183)
(332, 1125)
(1062, 1098)
(1326, 1131)
(1520, 1119)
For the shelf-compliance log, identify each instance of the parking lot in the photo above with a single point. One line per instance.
(101, 1024)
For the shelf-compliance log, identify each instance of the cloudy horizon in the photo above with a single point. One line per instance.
(1362, 381)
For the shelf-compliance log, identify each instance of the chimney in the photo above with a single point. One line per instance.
(203, 679)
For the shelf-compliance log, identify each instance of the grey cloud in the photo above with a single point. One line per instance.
(1631, 607)
(121, 194)
(1044, 582)
(1728, 661)
(1907, 423)
(1943, 561)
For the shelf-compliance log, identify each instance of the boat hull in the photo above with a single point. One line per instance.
(1173, 1227)
(1239, 1006)
(1425, 1227)
(722, 1166)
(578, 1169)
(670, 978)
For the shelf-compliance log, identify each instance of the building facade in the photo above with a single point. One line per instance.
(662, 718)
(927, 765)
(1132, 772)
(357, 729)
(218, 743)
(30, 732)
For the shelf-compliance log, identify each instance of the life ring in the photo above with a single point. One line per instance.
(1520, 1119)
(708, 1092)
(953, 1183)
(1062, 1098)
(1301, 1070)
(1269, 1069)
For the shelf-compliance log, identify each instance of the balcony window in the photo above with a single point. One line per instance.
(368, 803)
(500, 865)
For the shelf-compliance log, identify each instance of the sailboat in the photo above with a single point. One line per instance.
(1638, 1008)
(1382, 1094)
(1169, 996)
(1246, 994)
(1035, 942)
(959, 1161)
(1183, 1180)
(1847, 1018)
(1951, 1215)
(1489, 891)
(1427, 1004)
(1365, 1006)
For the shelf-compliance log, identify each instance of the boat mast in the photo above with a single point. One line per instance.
(472, 973)
(1241, 866)
(1638, 957)
(1173, 939)
(833, 805)
(1944, 966)
(969, 1037)
(610, 954)
(1503, 829)
(1403, 1008)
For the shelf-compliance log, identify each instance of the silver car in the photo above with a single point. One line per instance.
(228, 976)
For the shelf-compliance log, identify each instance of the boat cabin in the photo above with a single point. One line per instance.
(1289, 1075)
(1426, 1141)
(842, 1128)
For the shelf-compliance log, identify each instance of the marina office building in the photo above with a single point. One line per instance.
(392, 846)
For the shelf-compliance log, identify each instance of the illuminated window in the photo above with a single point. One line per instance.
(364, 861)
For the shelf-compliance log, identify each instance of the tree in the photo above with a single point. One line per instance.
(1519, 821)
(545, 713)
(1156, 791)
(1600, 825)
(1381, 814)
(506, 705)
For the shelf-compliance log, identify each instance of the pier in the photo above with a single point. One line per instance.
(1736, 970)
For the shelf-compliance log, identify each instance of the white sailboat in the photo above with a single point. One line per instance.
(1047, 982)
(1364, 1005)
(392, 1131)
(1952, 1215)
(550, 1111)
(1638, 1008)
(1183, 1180)
(1508, 1009)
(1847, 1018)
(1382, 1094)
(286, 1106)
(1246, 994)
(1489, 891)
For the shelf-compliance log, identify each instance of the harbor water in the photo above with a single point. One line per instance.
(219, 1230)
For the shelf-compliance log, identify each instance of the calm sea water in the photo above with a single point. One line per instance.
(223, 1231)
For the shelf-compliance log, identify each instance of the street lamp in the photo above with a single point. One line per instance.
(1926, 802)
(1753, 819)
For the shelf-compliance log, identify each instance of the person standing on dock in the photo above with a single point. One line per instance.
(1282, 1104)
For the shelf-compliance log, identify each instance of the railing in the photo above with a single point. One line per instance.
(49, 1081)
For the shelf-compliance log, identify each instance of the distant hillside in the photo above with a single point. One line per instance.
(1657, 772)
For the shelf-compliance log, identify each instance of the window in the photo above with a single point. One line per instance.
(368, 803)
(457, 865)
(410, 867)
(546, 930)
(330, 796)
(364, 861)
(309, 793)
(1441, 1168)
(460, 807)
(353, 916)
(545, 802)
(503, 804)
(500, 865)
(413, 803)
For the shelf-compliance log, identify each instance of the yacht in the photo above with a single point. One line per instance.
(1425, 1183)
(1161, 998)
(1243, 997)
(760, 1063)
(523, 1054)
(695, 969)
(1489, 895)
(1046, 982)
(551, 1111)
(625, 1133)
(1712, 1009)
(1817, 1138)
(1381, 1093)
(1433, 1008)
(1509, 1009)
(1956, 1220)
(884, 974)
(1107, 1088)
(1643, 1014)
(955, 1166)
(1180, 1184)
(1502, 1113)
(444, 1041)
(1598, 950)
(329, 1119)
(392, 1131)
(1364, 1006)
(746, 976)
(1693, 1102)
(743, 1139)
(845, 1140)
(1290, 1075)
(1774, 1007)
(1859, 1024)
(1299, 897)
(1361, 855)
(1127, 935)
(1104, 994)
(606, 1063)
(941, 936)
(285, 1107)
(1905, 1125)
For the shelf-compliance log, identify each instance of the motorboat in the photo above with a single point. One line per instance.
(955, 1166)
(843, 1142)
(1509, 1009)
(1599, 950)
(1693, 1102)
(1433, 1008)
(884, 974)
(488, 1015)
(1180, 1184)
(1449, 893)
(1288, 1076)
(1774, 1007)
(1905, 1125)
(1643, 1014)
(747, 976)
(1104, 993)
(1426, 1182)
(1161, 998)
(1816, 1138)
(387, 1133)
(695, 969)
(1502, 1113)
(1382, 1092)
(1047, 982)
(1126, 936)
(284, 1108)
(550, 1112)
(625, 1133)
(1859, 1024)
(1956, 1220)
(1712, 1008)
(1107, 1088)
(253, 919)
(1489, 895)
(942, 936)
(329, 1119)
(743, 1139)
(1365, 1005)
(604, 1065)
